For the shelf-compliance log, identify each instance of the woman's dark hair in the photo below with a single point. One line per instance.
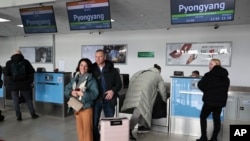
(89, 63)
(157, 66)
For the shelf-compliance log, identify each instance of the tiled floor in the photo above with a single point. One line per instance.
(48, 128)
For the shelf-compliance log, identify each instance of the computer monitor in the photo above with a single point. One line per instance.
(178, 73)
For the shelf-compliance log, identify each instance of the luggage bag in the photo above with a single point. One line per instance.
(114, 129)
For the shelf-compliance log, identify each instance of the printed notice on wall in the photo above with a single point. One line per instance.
(198, 54)
(61, 65)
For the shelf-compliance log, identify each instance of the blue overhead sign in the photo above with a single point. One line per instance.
(86, 15)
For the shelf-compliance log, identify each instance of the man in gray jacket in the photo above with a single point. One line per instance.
(142, 91)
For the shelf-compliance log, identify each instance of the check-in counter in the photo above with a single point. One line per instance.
(1, 92)
(185, 107)
(49, 93)
(1, 97)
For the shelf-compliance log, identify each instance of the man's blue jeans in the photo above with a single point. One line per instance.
(109, 111)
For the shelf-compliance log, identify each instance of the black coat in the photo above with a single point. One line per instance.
(214, 86)
(112, 79)
(19, 84)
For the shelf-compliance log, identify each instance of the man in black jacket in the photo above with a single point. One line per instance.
(109, 83)
(22, 85)
(214, 86)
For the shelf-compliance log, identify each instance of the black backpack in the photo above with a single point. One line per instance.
(19, 70)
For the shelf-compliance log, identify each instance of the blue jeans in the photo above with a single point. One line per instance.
(109, 111)
(27, 96)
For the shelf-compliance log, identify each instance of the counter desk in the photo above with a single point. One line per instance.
(186, 103)
(49, 93)
(185, 107)
(1, 97)
(2, 94)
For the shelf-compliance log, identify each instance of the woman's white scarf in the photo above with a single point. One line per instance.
(82, 86)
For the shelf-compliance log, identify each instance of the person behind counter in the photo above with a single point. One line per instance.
(214, 86)
(84, 118)
(142, 91)
(195, 73)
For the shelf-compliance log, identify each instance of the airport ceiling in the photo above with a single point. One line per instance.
(128, 15)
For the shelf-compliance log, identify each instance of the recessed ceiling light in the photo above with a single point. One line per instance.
(112, 20)
(4, 20)
(20, 25)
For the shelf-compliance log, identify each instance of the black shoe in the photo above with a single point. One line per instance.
(19, 119)
(34, 116)
(131, 137)
(202, 139)
(1, 118)
(143, 129)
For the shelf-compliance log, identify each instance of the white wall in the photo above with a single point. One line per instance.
(68, 48)
(8, 46)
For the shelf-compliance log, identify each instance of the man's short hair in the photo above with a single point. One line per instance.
(196, 72)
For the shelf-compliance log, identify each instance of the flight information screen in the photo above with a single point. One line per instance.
(199, 11)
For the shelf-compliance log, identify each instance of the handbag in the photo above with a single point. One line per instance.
(75, 104)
